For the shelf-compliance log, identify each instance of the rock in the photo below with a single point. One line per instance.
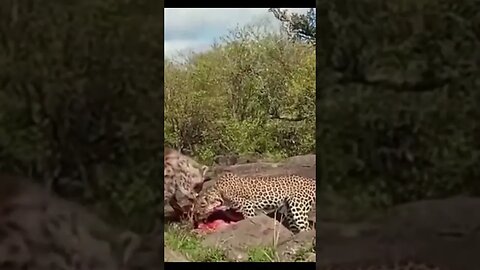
(301, 165)
(258, 169)
(226, 160)
(304, 161)
(249, 158)
(259, 231)
(174, 256)
(297, 247)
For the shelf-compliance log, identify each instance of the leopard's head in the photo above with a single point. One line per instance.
(206, 203)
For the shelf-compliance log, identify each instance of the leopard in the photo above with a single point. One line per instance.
(262, 194)
(182, 175)
(40, 230)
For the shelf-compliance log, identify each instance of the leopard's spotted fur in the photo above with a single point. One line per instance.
(181, 174)
(39, 231)
(249, 195)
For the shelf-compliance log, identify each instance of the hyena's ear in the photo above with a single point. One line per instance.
(205, 170)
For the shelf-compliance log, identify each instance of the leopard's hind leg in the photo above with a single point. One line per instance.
(297, 210)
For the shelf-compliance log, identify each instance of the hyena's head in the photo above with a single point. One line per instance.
(178, 164)
(197, 173)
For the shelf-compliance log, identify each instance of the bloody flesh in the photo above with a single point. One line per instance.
(218, 220)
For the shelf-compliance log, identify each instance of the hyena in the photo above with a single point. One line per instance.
(181, 174)
(40, 231)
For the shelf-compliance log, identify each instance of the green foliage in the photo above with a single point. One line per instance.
(79, 92)
(300, 27)
(188, 243)
(262, 254)
(398, 99)
(252, 92)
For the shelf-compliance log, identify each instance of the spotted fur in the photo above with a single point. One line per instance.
(251, 195)
(181, 174)
(39, 231)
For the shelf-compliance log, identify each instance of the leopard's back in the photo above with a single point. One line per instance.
(266, 187)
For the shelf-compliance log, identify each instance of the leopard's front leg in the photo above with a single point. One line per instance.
(246, 209)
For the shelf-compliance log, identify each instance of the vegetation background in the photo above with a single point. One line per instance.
(253, 92)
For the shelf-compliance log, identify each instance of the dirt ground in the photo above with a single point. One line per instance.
(262, 238)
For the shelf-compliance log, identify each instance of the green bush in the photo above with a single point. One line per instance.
(254, 92)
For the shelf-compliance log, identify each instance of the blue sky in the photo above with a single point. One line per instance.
(196, 29)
